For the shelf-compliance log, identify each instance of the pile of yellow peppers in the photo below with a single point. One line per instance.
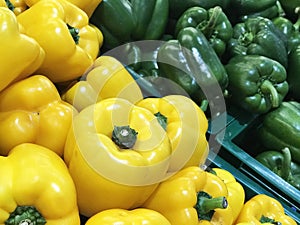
(97, 148)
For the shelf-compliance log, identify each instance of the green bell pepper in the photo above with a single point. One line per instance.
(213, 23)
(280, 128)
(256, 83)
(293, 76)
(289, 7)
(280, 163)
(191, 62)
(258, 36)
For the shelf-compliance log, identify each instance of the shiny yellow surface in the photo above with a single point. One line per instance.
(19, 5)
(128, 217)
(265, 205)
(16, 64)
(36, 176)
(176, 197)
(107, 78)
(186, 127)
(32, 111)
(46, 21)
(117, 178)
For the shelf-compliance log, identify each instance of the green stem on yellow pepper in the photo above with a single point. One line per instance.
(268, 220)
(162, 120)
(268, 88)
(124, 136)
(74, 32)
(25, 215)
(10, 5)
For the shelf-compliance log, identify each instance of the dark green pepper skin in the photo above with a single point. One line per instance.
(280, 128)
(293, 75)
(256, 83)
(280, 163)
(152, 17)
(213, 23)
(189, 61)
(258, 36)
(177, 7)
(289, 6)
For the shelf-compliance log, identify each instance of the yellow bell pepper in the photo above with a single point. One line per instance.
(36, 188)
(17, 6)
(236, 192)
(20, 55)
(121, 150)
(186, 126)
(62, 29)
(32, 111)
(107, 78)
(262, 209)
(128, 217)
(192, 196)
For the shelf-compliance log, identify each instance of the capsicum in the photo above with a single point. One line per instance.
(258, 36)
(213, 23)
(186, 126)
(17, 6)
(292, 72)
(263, 209)
(121, 149)
(16, 65)
(48, 185)
(256, 83)
(106, 78)
(192, 196)
(31, 110)
(130, 217)
(280, 163)
(62, 29)
(280, 128)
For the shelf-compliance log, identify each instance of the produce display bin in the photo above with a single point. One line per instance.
(239, 146)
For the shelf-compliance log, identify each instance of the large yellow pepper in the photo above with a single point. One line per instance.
(121, 150)
(192, 196)
(107, 78)
(36, 188)
(62, 29)
(17, 6)
(32, 111)
(263, 209)
(20, 55)
(128, 217)
(186, 126)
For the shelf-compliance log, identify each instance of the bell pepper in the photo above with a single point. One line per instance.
(191, 62)
(289, 7)
(129, 217)
(186, 126)
(280, 163)
(63, 31)
(16, 65)
(280, 128)
(258, 36)
(34, 182)
(256, 83)
(31, 110)
(192, 196)
(236, 192)
(213, 23)
(17, 6)
(292, 72)
(106, 78)
(263, 209)
(121, 149)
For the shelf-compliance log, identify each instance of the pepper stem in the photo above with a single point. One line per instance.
(206, 205)
(265, 219)
(162, 120)
(286, 164)
(268, 88)
(25, 215)
(297, 23)
(210, 25)
(74, 32)
(10, 5)
(124, 136)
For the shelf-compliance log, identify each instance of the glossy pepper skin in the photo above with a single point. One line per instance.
(290, 6)
(293, 77)
(63, 31)
(280, 163)
(106, 78)
(17, 6)
(192, 196)
(48, 185)
(16, 65)
(128, 217)
(31, 111)
(121, 149)
(213, 23)
(258, 36)
(256, 83)
(191, 62)
(186, 126)
(263, 209)
(280, 129)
